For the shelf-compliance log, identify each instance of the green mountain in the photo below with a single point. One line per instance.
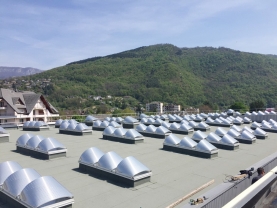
(187, 76)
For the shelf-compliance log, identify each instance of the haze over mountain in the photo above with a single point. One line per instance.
(7, 72)
(163, 72)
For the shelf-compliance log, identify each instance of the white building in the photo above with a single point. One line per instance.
(154, 107)
(171, 108)
(18, 107)
(162, 108)
(97, 98)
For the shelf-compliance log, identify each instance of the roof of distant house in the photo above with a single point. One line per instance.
(25, 99)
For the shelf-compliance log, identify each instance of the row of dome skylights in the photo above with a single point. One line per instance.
(260, 113)
(198, 117)
(116, 119)
(35, 124)
(201, 117)
(111, 162)
(122, 133)
(130, 120)
(228, 121)
(29, 188)
(40, 143)
(152, 129)
(214, 138)
(185, 125)
(220, 136)
(60, 121)
(74, 127)
(220, 121)
(245, 133)
(91, 119)
(180, 127)
(149, 121)
(266, 125)
(104, 124)
(188, 143)
(162, 117)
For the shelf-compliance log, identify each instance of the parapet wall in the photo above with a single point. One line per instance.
(225, 192)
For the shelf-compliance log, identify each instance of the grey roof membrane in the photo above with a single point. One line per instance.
(174, 175)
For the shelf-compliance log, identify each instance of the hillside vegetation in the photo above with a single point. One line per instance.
(187, 76)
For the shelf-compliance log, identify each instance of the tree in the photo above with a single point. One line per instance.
(205, 108)
(239, 106)
(102, 109)
(257, 105)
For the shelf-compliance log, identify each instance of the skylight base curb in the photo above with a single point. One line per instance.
(123, 140)
(181, 132)
(224, 146)
(98, 128)
(270, 130)
(4, 139)
(220, 125)
(89, 123)
(111, 177)
(36, 129)
(130, 126)
(243, 141)
(201, 129)
(261, 136)
(238, 124)
(156, 125)
(39, 155)
(10, 126)
(192, 152)
(159, 136)
(174, 121)
(75, 132)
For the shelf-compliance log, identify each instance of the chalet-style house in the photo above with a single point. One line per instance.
(18, 107)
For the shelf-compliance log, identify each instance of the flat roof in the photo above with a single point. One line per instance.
(174, 174)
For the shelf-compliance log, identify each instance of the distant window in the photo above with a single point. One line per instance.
(21, 120)
(19, 102)
(34, 112)
(2, 104)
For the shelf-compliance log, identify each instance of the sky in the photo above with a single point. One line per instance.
(45, 34)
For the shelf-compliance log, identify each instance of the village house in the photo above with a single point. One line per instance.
(18, 107)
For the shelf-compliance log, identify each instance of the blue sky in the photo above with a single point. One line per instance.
(49, 33)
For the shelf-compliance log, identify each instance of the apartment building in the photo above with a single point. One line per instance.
(162, 108)
(154, 107)
(171, 108)
(18, 107)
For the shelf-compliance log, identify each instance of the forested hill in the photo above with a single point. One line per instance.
(188, 76)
